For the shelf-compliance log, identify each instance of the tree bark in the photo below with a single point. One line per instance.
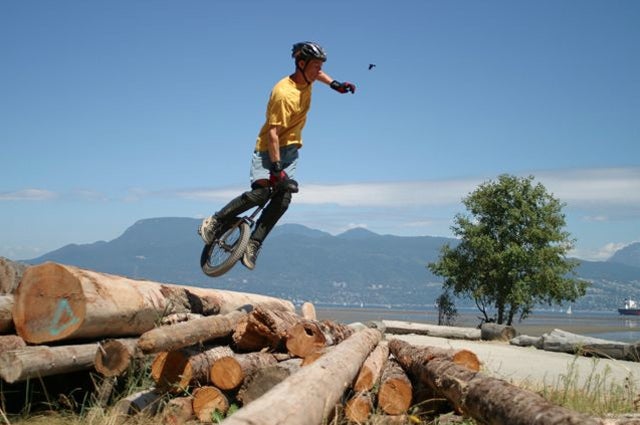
(567, 342)
(10, 342)
(146, 401)
(487, 400)
(206, 401)
(10, 275)
(359, 407)
(264, 379)
(396, 392)
(55, 302)
(317, 387)
(6, 316)
(372, 367)
(228, 373)
(184, 334)
(401, 328)
(113, 356)
(178, 411)
(411, 356)
(264, 328)
(496, 332)
(38, 361)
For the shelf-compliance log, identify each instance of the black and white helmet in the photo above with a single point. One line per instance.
(308, 50)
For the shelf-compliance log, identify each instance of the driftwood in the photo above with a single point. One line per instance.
(206, 401)
(11, 342)
(396, 392)
(228, 373)
(401, 328)
(412, 358)
(81, 303)
(264, 379)
(567, 342)
(372, 367)
(485, 399)
(6, 316)
(38, 361)
(496, 332)
(525, 340)
(184, 334)
(10, 274)
(308, 311)
(324, 382)
(113, 356)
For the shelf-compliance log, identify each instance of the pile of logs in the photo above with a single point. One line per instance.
(250, 358)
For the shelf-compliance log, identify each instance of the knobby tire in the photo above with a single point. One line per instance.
(220, 256)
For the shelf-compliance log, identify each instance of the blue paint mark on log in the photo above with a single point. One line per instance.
(62, 318)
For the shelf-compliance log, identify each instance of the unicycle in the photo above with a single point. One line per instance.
(232, 237)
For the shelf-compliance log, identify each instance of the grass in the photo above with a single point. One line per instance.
(598, 395)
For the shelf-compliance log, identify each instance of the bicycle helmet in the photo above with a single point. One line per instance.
(308, 50)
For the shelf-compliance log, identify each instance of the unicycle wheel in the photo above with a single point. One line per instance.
(220, 256)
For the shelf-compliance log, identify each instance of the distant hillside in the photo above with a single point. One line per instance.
(302, 264)
(629, 255)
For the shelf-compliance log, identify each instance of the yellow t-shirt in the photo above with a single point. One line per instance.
(287, 108)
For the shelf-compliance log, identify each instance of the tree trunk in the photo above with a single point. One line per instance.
(10, 275)
(359, 407)
(310, 395)
(567, 342)
(496, 332)
(263, 380)
(401, 328)
(308, 311)
(208, 400)
(10, 342)
(396, 392)
(409, 355)
(228, 373)
(372, 367)
(38, 361)
(307, 337)
(6, 317)
(113, 356)
(177, 370)
(55, 302)
(184, 334)
(487, 400)
(264, 328)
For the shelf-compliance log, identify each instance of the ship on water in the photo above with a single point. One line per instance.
(630, 308)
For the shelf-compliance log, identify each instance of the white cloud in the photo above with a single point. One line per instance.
(28, 195)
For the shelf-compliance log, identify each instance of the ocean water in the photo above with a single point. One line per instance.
(598, 324)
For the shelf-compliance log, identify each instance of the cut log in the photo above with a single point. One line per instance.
(178, 411)
(308, 311)
(38, 361)
(359, 407)
(396, 392)
(402, 328)
(307, 337)
(6, 316)
(567, 342)
(184, 334)
(309, 396)
(264, 328)
(409, 355)
(311, 358)
(263, 380)
(486, 400)
(175, 371)
(146, 401)
(10, 342)
(113, 356)
(172, 319)
(372, 367)
(207, 401)
(525, 341)
(10, 275)
(228, 373)
(496, 332)
(55, 302)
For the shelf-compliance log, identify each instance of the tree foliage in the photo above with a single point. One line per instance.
(512, 251)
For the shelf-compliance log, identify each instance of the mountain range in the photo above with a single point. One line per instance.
(357, 267)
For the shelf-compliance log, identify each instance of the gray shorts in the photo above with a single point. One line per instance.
(261, 164)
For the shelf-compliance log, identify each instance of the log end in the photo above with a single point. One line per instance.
(226, 373)
(304, 339)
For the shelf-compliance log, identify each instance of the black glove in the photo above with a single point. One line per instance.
(343, 87)
(276, 173)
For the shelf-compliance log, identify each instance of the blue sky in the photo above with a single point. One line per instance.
(115, 111)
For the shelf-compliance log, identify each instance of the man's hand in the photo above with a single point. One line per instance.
(276, 173)
(343, 87)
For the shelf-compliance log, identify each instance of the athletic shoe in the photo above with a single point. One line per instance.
(207, 229)
(251, 254)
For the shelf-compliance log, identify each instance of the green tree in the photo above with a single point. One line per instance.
(512, 251)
